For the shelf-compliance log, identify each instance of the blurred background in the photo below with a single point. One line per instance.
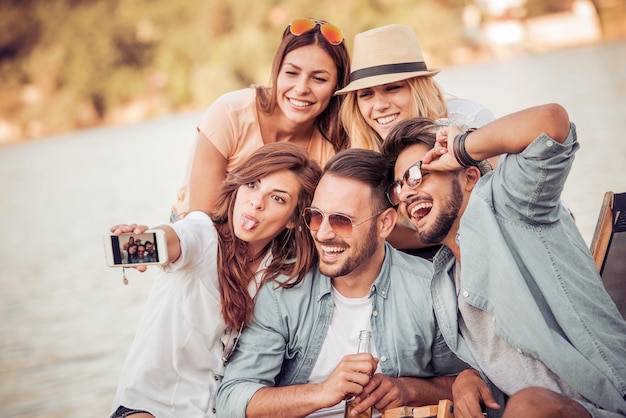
(98, 105)
(68, 64)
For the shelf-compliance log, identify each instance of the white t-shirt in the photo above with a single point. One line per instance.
(174, 364)
(468, 114)
(350, 316)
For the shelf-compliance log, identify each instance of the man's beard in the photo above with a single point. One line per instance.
(355, 261)
(444, 221)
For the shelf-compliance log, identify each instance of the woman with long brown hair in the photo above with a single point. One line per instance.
(298, 106)
(205, 296)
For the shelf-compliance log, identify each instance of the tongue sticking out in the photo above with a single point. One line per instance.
(247, 223)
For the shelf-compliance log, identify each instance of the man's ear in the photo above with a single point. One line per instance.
(388, 219)
(469, 178)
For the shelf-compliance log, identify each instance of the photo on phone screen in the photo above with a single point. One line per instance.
(129, 249)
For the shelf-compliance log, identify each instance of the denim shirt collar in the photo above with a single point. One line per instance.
(380, 286)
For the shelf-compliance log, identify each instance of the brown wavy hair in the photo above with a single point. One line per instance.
(328, 121)
(293, 250)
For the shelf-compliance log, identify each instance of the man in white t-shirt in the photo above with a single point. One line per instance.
(298, 357)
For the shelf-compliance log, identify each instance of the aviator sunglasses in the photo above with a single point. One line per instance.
(332, 33)
(412, 177)
(341, 224)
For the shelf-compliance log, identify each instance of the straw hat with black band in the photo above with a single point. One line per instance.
(374, 63)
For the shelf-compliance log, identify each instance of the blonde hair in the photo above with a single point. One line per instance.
(427, 100)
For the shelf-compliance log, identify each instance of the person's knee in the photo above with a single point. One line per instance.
(540, 402)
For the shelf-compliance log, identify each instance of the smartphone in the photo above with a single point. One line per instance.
(127, 250)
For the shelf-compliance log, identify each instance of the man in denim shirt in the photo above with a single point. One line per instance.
(515, 290)
(298, 357)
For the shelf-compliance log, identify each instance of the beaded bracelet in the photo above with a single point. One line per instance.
(460, 153)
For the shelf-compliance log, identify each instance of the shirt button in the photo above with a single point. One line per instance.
(375, 313)
(383, 358)
(549, 144)
(465, 293)
(519, 350)
(382, 292)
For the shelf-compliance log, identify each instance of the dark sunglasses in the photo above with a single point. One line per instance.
(332, 33)
(341, 224)
(412, 177)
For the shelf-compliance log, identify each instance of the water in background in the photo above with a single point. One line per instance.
(66, 319)
(591, 84)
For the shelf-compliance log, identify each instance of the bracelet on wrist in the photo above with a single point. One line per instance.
(460, 153)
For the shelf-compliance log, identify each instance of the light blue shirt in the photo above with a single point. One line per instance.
(525, 262)
(282, 344)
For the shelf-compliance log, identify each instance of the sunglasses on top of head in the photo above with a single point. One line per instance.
(412, 178)
(332, 33)
(341, 224)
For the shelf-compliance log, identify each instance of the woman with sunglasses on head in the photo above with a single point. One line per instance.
(311, 63)
(205, 296)
(389, 83)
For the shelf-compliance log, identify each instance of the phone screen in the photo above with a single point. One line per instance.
(135, 249)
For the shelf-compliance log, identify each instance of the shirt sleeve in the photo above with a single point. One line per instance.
(469, 114)
(196, 234)
(527, 186)
(258, 359)
(217, 126)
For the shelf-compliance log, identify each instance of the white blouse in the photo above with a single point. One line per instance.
(175, 362)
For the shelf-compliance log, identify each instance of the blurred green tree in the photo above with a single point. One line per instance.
(72, 63)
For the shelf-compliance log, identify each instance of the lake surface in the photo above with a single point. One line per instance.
(67, 320)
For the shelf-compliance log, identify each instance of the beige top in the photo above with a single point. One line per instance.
(231, 123)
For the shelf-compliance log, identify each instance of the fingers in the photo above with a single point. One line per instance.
(128, 229)
(440, 161)
(441, 156)
(381, 392)
(488, 399)
(350, 376)
(363, 363)
(433, 154)
(469, 393)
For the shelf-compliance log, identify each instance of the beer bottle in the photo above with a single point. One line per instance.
(365, 346)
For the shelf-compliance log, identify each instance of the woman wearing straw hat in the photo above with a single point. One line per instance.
(389, 83)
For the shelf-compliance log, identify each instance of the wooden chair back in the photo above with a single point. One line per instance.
(608, 247)
(444, 409)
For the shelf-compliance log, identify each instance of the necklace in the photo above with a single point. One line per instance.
(256, 258)
(259, 255)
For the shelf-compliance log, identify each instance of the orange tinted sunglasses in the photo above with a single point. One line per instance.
(332, 33)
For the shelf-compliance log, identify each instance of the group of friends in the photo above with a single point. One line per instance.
(134, 251)
(432, 224)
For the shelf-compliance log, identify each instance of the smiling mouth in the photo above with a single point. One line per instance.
(420, 210)
(386, 119)
(332, 249)
(300, 103)
(330, 252)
